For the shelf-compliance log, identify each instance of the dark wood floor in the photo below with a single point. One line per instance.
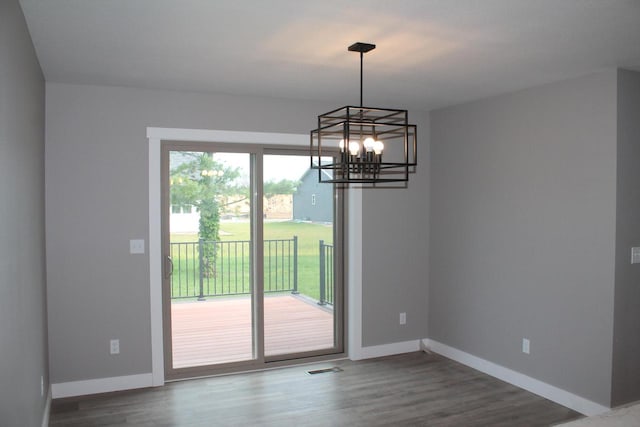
(414, 389)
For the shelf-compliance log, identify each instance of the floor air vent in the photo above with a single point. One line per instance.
(324, 371)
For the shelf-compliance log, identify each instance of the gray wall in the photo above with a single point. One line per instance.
(97, 199)
(523, 218)
(626, 343)
(23, 327)
(395, 242)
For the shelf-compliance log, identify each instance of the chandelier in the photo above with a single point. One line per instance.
(363, 145)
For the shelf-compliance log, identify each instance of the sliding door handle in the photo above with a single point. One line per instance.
(168, 267)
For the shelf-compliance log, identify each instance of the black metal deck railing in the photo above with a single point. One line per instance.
(281, 265)
(326, 273)
(217, 268)
(213, 268)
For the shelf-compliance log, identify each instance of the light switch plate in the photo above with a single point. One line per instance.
(136, 246)
(635, 255)
(114, 347)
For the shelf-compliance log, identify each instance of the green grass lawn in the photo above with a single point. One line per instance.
(232, 268)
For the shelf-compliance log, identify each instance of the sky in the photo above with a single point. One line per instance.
(275, 167)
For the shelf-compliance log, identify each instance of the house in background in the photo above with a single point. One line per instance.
(184, 219)
(518, 223)
(313, 201)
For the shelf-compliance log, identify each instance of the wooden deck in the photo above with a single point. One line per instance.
(219, 330)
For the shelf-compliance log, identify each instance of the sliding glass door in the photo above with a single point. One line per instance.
(210, 295)
(298, 214)
(252, 272)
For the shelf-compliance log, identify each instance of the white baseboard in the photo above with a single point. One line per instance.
(101, 385)
(555, 394)
(47, 409)
(386, 349)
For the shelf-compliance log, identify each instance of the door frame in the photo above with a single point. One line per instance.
(352, 288)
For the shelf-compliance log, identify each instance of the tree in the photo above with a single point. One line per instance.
(284, 186)
(197, 179)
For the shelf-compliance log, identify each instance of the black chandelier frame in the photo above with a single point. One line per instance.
(340, 129)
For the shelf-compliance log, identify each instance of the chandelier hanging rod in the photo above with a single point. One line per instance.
(362, 48)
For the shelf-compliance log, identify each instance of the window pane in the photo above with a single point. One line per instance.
(298, 257)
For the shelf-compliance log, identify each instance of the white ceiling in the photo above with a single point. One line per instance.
(430, 53)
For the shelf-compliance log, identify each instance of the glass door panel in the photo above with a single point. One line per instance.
(210, 250)
(298, 228)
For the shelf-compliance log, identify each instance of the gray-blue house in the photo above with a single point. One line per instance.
(313, 201)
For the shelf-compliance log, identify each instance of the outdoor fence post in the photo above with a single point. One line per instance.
(295, 265)
(200, 254)
(322, 274)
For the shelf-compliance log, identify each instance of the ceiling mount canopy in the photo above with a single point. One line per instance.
(363, 145)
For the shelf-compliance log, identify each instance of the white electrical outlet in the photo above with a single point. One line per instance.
(136, 246)
(403, 318)
(635, 255)
(526, 346)
(114, 347)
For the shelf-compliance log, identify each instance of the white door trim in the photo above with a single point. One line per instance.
(155, 261)
(155, 136)
(354, 274)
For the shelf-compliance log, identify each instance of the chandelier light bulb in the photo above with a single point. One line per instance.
(341, 145)
(354, 148)
(378, 146)
(369, 144)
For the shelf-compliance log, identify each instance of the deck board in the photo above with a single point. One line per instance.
(219, 330)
